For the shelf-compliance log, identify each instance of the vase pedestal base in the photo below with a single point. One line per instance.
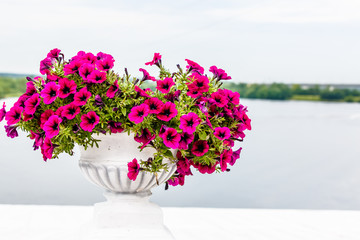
(127, 216)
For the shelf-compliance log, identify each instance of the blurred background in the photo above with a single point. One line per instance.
(295, 64)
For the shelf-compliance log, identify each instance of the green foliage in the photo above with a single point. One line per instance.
(12, 86)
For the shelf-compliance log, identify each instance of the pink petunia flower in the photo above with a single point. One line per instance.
(39, 139)
(186, 139)
(52, 77)
(50, 92)
(66, 87)
(14, 115)
(178, 180)
(146, 75)
(183, 165)
(97, 76)
(88, 58)
(194, 67)
(54, 53)
(218, 99)
(89, 121)
(200, 84)
(47, 149)
(219, 73)
(138, 113)
(156, 60)
(32, 103)
(238, 132)
(85, 70)
(115, 127)
(11, 131)
(72, 68)
(235, 156)
(171, 138)
(154, 105)
(45, 116)
(52, 126)
(189, 122)
(172, 97)
(209, 169)
(141, 92)
(105, 64)
(194, 93)
(145, 138)
(199, 148)
(134, 169)
(164, 85)
(225, 158)
(222, 133)
(46, 65)
(30, 88)
(82, 96)
(21, 101)
(167, 112)
(2, 112)
(102, 56)
(113, 89)
(70, 111)
(233, 97)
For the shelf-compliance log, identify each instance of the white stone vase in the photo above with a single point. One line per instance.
(127, 213)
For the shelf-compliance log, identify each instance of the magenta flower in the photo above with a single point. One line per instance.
(101, 56)
(235, 156)
(209, 123)
(167, 112)
(21, 101)
(115, 127)
(70, 111)
(14, 115)
(11, 131)
(31, 104)
(171, 138)
(220, 100)
(46, 65)
(39, 139)
(154, 105)
(238, 132)
(27, 117)
(85, 70)
(45, 116)
(233, 97)
(141, 92)
(200, 84)
(199, 148)
(194, 67)
(205, 168)
(30, 88)
(97, 77)
(89, 121)
(156, 60)
(72, 68)
(47, 149)
(105, 64)
(225, 158)
(186, 139)
(113, 89)
(178, 180)
(229, 143)
(134, 169)
(183, 165)
(2, 112)
(52, 77)
(98, 101)
(82, 96)
(138, 113)
(174, 96)
(145, 138)
(222, 133)
(164, 85)
(146, 75)
(189, 122)
(54, 53)
(50, 92)
(88, 58)
(194, 93)
(66, 87)
(219, 73)
(52, 126)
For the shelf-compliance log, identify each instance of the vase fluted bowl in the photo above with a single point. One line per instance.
(106, 166)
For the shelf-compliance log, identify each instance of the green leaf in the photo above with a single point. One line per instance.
(123, 110)
(202, 135)
(168, 154)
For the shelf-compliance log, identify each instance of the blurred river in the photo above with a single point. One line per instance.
(298, 155)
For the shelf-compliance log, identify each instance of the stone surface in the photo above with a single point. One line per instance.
(29, 222)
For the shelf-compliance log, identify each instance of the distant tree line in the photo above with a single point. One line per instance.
(12, 86)
(280, 91)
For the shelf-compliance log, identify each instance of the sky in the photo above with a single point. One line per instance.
(255, 41)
